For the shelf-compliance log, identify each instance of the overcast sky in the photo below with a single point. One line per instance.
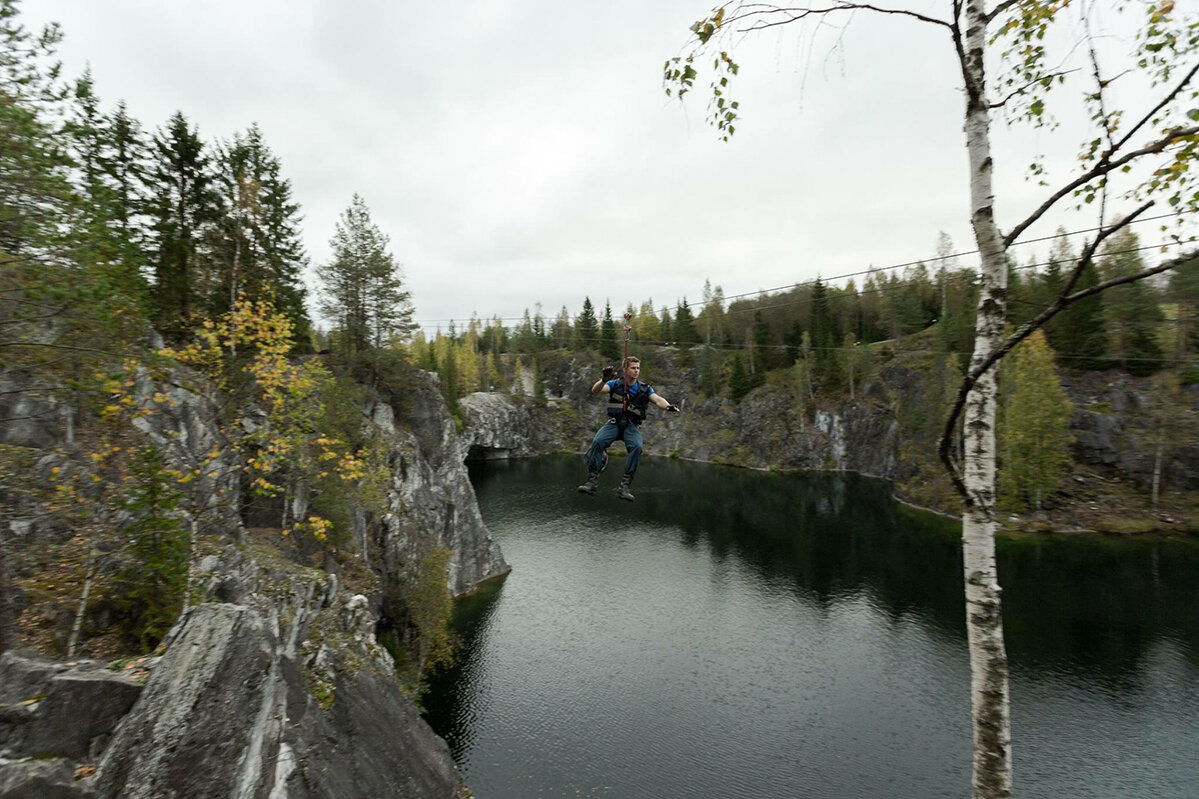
(521, 151)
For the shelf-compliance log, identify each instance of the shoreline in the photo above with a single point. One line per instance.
(1003, 529)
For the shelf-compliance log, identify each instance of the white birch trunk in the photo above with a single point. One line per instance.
(1158, 457)
(193, 537)
(233, 284)
(88, 581)
(992, 777)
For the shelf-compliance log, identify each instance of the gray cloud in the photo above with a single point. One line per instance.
(521, 152)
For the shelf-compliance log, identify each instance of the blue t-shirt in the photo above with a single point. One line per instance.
(634, 389)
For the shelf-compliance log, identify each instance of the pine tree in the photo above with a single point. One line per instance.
(362, 286)
(183, 205)
(609, 343)
(1034, 426)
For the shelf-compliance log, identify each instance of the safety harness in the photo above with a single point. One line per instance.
(631, 406)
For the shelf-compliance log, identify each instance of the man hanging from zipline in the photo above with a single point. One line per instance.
(628, 401)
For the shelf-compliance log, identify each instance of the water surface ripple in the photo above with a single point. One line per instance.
(738, 634)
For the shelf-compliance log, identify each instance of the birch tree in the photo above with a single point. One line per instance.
(1131, 157)
(1034, 425)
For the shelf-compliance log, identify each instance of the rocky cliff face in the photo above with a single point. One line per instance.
(273, 685)
(432, 500)
(1126, 427)
(768, 429)
(1122, 426)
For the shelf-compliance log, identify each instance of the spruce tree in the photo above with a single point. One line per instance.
(1080, 330)
(1132, 311)
(151, 584)
(710, 372)
(793, 340)
(684, 325)
(258, 249)
(183, 205)
(740, 380)
(823, 336)
(609, 343)
(524, 339)
(128, 168)
(35, 194)
(539, 395)
(586, 328)
(560, 332)
(85, 137)
(540, 336)
(764, 355)
(1184, 290)
(666, 326)
(646, 324)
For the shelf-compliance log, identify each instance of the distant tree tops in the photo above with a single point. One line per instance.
(180, 225)
(822, 324)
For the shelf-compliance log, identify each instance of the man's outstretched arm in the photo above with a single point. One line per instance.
(663, 403)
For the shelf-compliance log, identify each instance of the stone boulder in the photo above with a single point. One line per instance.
(496, 427)
(54, 709)
(52, 778)
(230, 711)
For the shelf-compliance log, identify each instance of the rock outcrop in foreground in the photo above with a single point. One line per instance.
(231, 710)
(272, 685)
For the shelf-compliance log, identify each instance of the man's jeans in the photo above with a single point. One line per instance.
(604, 437)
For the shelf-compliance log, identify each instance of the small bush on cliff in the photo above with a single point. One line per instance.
(427, 641)
(149, 587)
(245, 353)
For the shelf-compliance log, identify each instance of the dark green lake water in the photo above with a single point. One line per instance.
(739, 634)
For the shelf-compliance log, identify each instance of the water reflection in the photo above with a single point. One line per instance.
(737, 633)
